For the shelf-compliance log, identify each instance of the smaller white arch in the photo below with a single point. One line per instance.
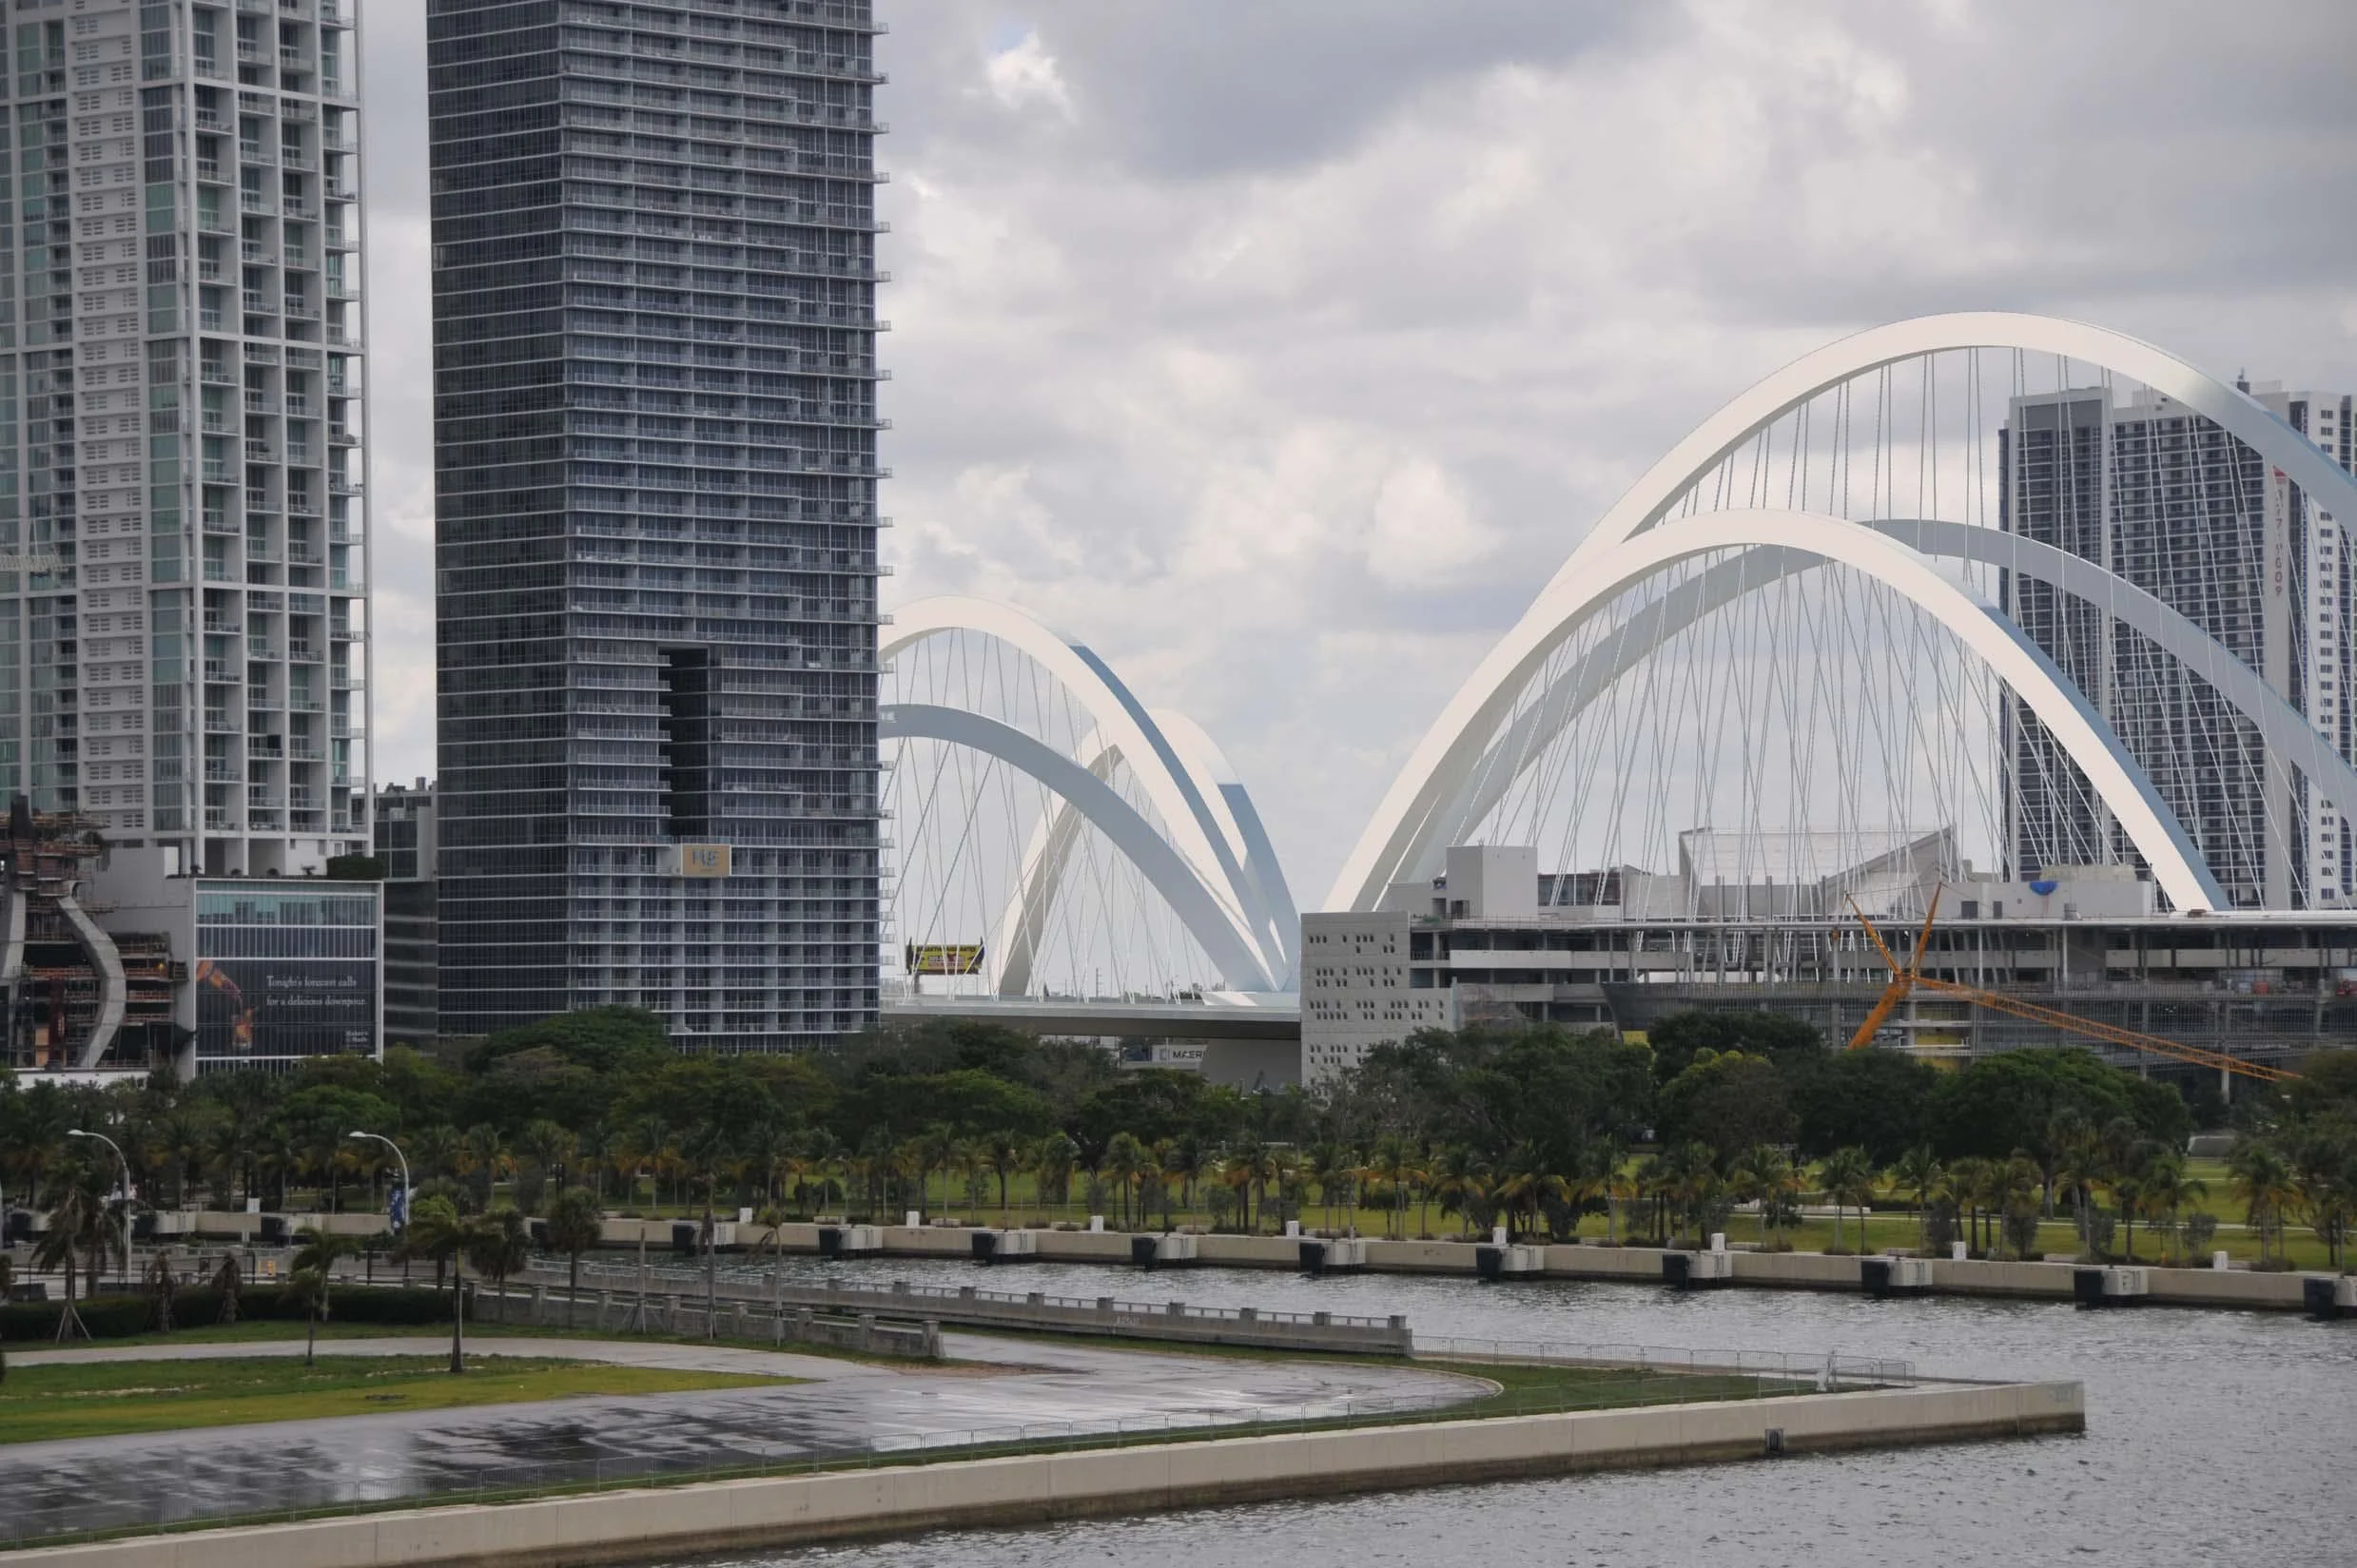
(1120, 721)
(2115, 774)
(1275, 920)
(1207, 916)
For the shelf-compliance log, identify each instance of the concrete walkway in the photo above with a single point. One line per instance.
(1034, 1391)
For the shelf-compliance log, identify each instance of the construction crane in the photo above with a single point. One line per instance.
(1911, 977)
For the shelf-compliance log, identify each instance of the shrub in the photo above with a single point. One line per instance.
(115, 1317)
(106, 1317)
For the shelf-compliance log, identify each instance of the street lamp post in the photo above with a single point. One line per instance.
(403, 1216)
(78, 1133)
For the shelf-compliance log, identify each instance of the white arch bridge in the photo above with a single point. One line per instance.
(2042, 591)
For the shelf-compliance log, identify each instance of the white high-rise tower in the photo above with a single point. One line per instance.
(184, 636)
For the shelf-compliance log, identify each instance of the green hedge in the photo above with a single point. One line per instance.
(115, 1317)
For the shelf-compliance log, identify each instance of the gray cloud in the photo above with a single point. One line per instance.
(1279, 350)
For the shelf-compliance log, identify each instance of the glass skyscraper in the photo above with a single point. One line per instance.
(656, 451)
(2176, 505)
(183, 540)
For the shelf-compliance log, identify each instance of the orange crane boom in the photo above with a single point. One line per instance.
(1907, 979)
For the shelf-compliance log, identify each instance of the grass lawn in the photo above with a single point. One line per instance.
(947, 1197)
(95, 1399)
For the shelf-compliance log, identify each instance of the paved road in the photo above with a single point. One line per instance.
(851, 1407)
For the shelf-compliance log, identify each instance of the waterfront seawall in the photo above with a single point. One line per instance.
(2238, 1288)
(770, 1512)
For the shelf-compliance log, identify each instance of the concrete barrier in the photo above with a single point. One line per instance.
(968, 1307)
(2239, 1288)
(772, 1512)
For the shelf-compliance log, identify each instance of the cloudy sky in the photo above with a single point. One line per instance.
(1279, 350)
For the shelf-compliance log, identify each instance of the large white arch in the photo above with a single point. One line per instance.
(1438, 768)
(1209, 816)
(2003, 646)
(2286, 732)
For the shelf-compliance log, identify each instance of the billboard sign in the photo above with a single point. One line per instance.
(704, 859)
(954, 959)
(285, 1007)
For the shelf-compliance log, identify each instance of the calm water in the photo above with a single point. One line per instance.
(2213, 1437)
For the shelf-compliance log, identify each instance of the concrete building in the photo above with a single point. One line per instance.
(1620, 950)
(404, 818)
(655, 454)
(2176, 506)
(184, 621)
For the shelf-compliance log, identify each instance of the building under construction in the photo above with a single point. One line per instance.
(80, 998)
(120, 961)
(1495, 941)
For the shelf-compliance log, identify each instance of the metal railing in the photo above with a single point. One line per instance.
(1827, 1373)
(901, 1290)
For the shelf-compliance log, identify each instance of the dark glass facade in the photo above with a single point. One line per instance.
(656, 435)
(284, 973)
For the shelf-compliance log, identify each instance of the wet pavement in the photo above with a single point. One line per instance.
(1029, 1392)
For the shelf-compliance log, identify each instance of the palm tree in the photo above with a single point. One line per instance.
(437, 1231)
(1125, 1163)
(646, 1145)
(2167, 1192)
(1847, 1177)
(80, 1227)
(1237, 1173)
(1289, 1173)
(594, 1146)
(2078, 1168)
(549, 1148)
(1688, 1182)
(2017, 1187)
(501, 1245)
(1183, 1162)
(1003, 1153)
(934, 1149)
(433, 1150)
(2263, 1179)
(483, 1153)
(2327, 1168)
(317, 1258)
(1387, 1173)
(1766, 1177)
(576, 1223)
(1919, 1175)
(1459, 1181)
(1052, 1160)
(1529, 1180)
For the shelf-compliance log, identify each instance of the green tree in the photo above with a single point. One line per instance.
(437, 1231)
(1727, 1102)
(2267, 1187)
(1764, 1176)
(1847, 1178)
(314, 1266)
(576, 1224)
(1679, 1037)
(1875, 1099)
(1918, 1173)
(2010, 1101)
(80, 1229)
